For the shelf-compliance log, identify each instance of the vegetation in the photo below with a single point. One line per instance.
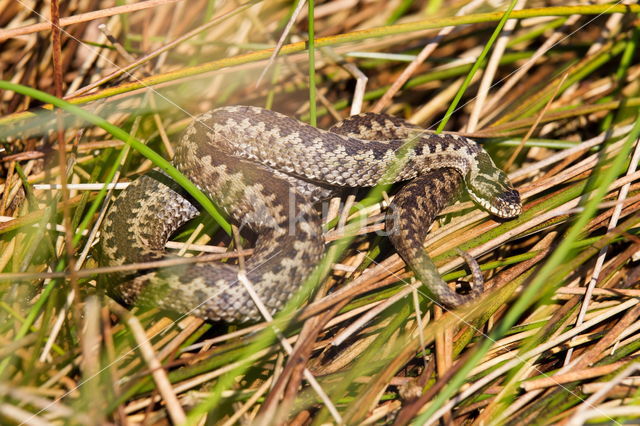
(553, 93)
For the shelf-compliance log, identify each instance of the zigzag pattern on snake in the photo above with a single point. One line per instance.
(267, 171)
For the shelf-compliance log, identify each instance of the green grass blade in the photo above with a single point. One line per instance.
(118, 133)
(475, 67)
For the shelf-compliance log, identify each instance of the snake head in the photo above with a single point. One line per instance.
(490, 187)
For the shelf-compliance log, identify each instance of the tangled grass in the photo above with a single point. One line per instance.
(551, 91)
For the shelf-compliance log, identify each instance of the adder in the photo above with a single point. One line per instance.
(268, 171)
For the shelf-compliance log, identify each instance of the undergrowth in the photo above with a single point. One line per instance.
(552, 92)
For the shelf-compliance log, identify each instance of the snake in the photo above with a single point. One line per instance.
(269, 173)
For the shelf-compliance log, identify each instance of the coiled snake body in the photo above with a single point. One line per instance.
(266, 171)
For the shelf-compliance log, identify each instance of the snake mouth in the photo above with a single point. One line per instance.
(506, 205)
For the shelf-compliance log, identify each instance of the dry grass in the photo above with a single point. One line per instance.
(555, 101)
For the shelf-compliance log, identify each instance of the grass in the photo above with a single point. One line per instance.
(554, 338)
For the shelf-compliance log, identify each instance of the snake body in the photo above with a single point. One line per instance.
(267, 171)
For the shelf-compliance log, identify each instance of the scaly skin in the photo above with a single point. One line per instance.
(266, 171)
